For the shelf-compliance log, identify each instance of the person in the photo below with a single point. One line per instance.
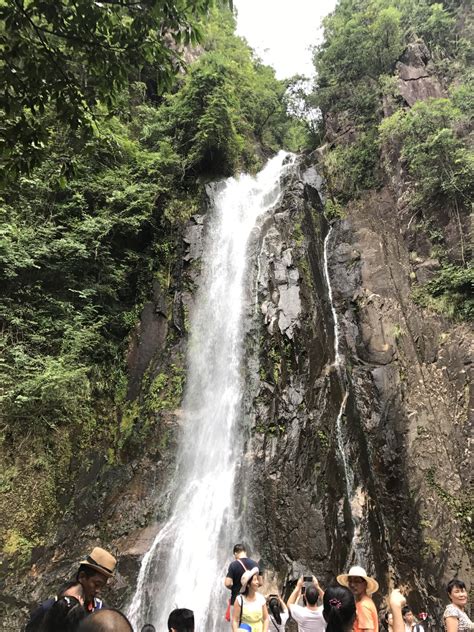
(362, 587)
(92, 575)
(70, 589)
(148, 627)
(64, 615)
(250, 607)
(181, 620)
(237, 568)
(339, 609)
(277, 613)
(454, 616)
(308, 617)
(411, 625)
(105, 620)
(388, 621)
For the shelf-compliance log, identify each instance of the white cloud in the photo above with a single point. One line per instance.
(282, 32)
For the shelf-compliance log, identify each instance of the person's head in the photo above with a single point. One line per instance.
(358, 582)
(407, 614)
(63, 616)
(105, 620)
(388, 619)
(274, 607)
(249, 581)
(457, 592)
(148, 627)
(339, 609)
(239, 550)
(311, 595)
(94, 571)
(181, 620)
(91, 581)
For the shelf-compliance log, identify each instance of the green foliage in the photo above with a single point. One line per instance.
(352, 168)
(88, 233)
(166, 390)
(355, 67)
(438, 159)
(333, 210)
(362, 41)
(63, 58)
(227, 107)
(450, 292)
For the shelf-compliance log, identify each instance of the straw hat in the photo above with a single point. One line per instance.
(358, 571)
(247, 576)
(102, 561)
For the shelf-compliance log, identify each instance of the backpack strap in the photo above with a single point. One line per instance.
(243, 565)
(241, 607)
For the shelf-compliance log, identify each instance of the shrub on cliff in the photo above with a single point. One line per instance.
(438, 160)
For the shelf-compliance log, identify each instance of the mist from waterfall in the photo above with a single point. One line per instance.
(185, 567)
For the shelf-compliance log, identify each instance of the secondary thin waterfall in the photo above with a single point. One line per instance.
(353, 496)
(186, 564)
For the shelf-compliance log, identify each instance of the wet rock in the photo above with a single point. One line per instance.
(406, 395)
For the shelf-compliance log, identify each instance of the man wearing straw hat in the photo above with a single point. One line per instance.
(362, 586)
(91, 577)
(93, 574)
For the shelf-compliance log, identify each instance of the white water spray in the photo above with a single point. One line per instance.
(186, 564)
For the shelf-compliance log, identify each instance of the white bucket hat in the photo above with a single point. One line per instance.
(358, 571)
(247, 576)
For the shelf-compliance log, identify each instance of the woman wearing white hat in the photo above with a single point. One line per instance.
(250, 607)
(362, 586)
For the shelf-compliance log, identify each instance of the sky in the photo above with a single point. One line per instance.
(282, 31)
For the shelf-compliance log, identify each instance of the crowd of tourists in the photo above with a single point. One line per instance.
(346, 606)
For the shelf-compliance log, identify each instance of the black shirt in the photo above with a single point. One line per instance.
(235, 572)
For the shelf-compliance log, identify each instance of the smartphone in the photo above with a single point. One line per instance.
(303, 590)
(307, 578)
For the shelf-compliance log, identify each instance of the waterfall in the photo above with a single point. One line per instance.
(185, 566)
(355, 498)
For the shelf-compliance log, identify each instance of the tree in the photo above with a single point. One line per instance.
(61, 59)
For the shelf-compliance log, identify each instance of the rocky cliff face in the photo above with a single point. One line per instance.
(397, 407)
(396, 501)
(404, 430)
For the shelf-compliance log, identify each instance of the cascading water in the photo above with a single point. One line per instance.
(186, 564)
(354, 497)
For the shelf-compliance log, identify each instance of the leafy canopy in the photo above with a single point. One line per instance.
(66, 56)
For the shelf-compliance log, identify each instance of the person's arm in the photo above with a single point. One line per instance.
(452, 624)
(265, 618)
(318, 588)
(295, 595)
(229, 579)
(236, 615)
(396, 601)
(282, 604)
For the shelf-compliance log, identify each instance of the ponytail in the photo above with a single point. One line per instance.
(339, 609)
(275, 609)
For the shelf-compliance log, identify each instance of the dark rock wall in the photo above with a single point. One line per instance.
(405, 425)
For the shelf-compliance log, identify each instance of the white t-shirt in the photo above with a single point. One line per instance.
(308, 620)
(273, 626)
